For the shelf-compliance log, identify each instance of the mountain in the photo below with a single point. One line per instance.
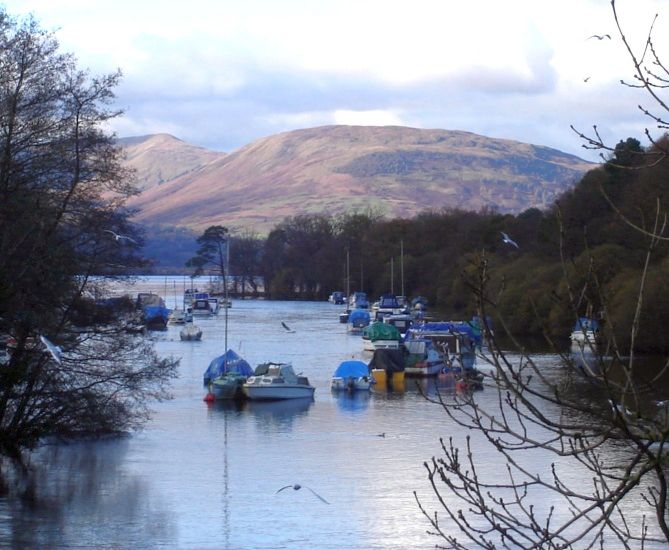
(160, 158)
(397, 171)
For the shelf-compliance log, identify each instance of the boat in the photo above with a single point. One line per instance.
(351, 376)
(387, 368)
(585, 331)
(191, 332)
(357, 320)
(387, 305)
(380, 335)
(180, 317)
(277, 381)
(154, 313)
(424, 358)
(455, 341)
(402, 321)
(226, 375)
(358, 300)
(337, 298)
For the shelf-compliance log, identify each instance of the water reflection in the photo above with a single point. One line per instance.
(586, 358)
(271, 414)
(352, 402)
(71, 484)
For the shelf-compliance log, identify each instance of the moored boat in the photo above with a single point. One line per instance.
(358, 319)
(351, 376)
(227, 375)
(381, 335)
(585, 331)
(154, 313)
(277, 381)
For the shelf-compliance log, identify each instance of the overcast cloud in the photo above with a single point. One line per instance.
(221, 73)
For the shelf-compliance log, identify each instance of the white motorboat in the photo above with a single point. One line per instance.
(277, 381)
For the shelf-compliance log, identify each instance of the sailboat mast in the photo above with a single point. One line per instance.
(402, 264)
(392, 285)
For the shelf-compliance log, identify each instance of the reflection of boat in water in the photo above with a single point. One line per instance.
(352, 401)
(585, 358)
(190, 332)
(280, 408)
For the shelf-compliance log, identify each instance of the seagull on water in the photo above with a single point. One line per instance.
(297, 487)
(508, 240)
(119, 237)
(284, 325)
(52, 348)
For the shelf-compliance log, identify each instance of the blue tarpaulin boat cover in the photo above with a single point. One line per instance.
(358, 318)
(351, 368)
(447, 326)
(228, 362)
(586, 323)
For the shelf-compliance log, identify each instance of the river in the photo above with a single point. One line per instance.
(206, 476)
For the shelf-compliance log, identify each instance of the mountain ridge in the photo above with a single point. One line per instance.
(398, 171)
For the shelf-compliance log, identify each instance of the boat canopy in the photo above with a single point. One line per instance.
(358, 317)
(448, 327)
(351, 368)
(381, 331)
(585, 324)
(389, 360)
(228, 362)
(388, 301)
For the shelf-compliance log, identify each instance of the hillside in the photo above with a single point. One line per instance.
(395, 170)
(161, 157)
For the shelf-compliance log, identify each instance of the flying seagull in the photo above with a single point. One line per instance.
(119, 237)
(297, 487)
(586, 79)
(284, 325)
(52, 348)
(508, 240)
(599, 36)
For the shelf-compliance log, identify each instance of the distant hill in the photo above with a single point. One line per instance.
(160, 158)
(333, 169)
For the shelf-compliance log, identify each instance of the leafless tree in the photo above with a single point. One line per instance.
(582, 449)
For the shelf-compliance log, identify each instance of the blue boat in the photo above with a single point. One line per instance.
(351, 376)
(226, 375)
(358, 300)
(154, 313)
(586, 330)
(357, 320)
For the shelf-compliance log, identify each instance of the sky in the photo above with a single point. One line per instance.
(222, 73)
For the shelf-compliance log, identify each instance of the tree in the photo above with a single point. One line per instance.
(604, 423)
(213, 250)
(73, 368)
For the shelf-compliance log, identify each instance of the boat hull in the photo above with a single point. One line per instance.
(271, 393)
(360, 383)
(228, 386)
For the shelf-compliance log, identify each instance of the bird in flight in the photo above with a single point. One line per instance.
(119, 237)
(586, 79)
(508, 240)
(297, 487)
(52, 348)
(284, 325)
(599, 36)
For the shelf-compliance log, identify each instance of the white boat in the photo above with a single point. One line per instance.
(380, 335)
(585, 331)
(180, 317)
(190, 332)
(277, 381)
(386, 306)
(351, 376)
